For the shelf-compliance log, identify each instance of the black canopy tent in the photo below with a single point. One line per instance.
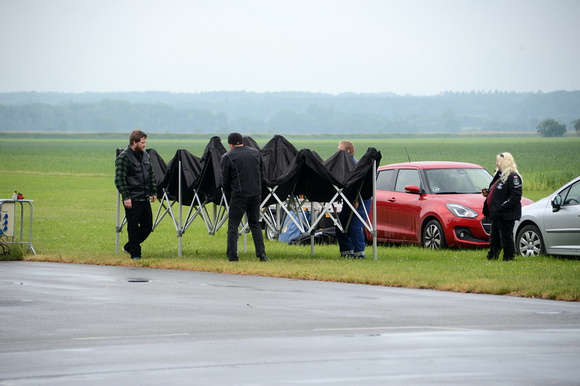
(290, 178)
(305, 178)
(194, 182)
(277, 201)
(340, 164)
(277, 156)
(249, 141)
(208, 185)
(329, 182)
(159, 166)
(182, 171)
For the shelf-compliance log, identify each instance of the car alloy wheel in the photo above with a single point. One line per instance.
(271, 233)
(433, 236)
(529, 242)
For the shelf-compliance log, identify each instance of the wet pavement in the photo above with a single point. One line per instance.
(67, 324)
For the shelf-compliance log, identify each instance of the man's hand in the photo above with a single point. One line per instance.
(127, 203)
(153, 198)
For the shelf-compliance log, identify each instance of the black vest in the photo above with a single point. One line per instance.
(138, 174)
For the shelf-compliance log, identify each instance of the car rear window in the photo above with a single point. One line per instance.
(385, 179)
(407, 177)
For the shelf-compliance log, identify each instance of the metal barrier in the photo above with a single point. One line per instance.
(8, 229)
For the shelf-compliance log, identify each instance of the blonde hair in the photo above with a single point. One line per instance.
(348, 146)
(507, 165)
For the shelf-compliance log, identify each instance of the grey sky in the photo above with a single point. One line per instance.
(417, 47)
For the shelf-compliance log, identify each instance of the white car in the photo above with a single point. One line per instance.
(552, 224)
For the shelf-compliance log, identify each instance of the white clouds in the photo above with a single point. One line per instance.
(406, 47)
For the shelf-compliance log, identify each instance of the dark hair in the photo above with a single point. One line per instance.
(136, 136)
(235, 139)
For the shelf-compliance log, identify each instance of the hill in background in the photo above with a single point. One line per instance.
(285, 112)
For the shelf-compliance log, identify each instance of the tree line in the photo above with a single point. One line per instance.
(286, 112)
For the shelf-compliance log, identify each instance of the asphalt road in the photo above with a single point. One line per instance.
(64, 324)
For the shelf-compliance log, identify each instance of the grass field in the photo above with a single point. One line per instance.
(70, 179)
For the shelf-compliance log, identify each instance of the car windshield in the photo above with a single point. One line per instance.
(457, 181)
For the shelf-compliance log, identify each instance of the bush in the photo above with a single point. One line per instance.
(551, 128)
(11, 252)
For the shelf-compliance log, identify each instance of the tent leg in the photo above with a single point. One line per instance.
(245, 236)
(311, 225)
(278, 219)
(374, 210)
(215, 221)
(179, 196)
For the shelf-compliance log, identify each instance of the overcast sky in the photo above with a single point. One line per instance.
(417, 47)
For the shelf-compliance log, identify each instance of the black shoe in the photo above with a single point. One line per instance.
(233, 259)
(136, 257)
(493, 255)
(263, 258)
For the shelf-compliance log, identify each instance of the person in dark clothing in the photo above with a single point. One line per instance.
(503, 206)
(241, 178)
(352, 241)
(135, 181)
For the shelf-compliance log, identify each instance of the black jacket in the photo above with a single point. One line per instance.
(242, 172)
(504, 199)
(134, 176)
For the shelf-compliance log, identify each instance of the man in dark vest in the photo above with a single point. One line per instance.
(135, 181)
(241, 180)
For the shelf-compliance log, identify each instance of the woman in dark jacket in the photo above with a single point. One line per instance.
(503, 206)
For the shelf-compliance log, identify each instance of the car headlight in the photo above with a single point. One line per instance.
(459, 210)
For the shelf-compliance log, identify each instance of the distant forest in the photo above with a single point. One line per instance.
(285, 112)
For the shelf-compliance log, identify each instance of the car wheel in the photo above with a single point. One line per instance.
(271, 233)
(530, 242)
(433, 236)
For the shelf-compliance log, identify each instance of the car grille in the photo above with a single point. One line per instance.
(486, 224)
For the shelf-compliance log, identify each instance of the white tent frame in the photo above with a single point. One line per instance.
(284, 208)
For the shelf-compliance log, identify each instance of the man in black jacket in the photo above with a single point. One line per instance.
(241, 180)
(135, 181)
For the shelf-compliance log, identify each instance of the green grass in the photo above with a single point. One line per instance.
(70, 179)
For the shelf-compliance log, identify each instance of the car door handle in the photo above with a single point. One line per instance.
(393, 199)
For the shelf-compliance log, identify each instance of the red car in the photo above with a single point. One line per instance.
(434, 204)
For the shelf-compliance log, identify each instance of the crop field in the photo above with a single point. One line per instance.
(545, 163)
(70, 179)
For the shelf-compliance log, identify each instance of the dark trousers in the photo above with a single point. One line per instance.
(239, 206)
(139, 226)
(353, 240)
(501, 237)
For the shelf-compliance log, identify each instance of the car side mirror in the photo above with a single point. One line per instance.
(412, 189)
(556, 203)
